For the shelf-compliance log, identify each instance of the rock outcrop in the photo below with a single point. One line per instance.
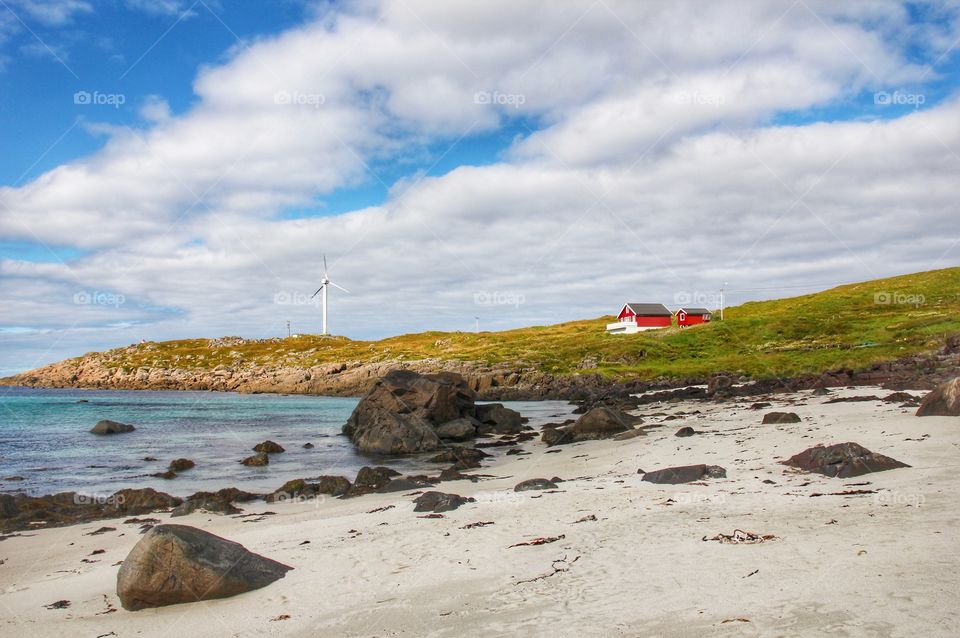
(174, 564)
(403, 411)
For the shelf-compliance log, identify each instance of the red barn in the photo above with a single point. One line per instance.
(635, 317)
(692, 316)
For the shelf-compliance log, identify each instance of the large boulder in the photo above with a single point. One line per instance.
(843, 460)
(400, 414)
(599, 423)
(379, 431)
(107, 426)
(494, 418)
(684, 474)
(942, 401)
(458, 430)
(175, 564)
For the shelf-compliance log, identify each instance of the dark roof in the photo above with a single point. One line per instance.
(650, 309)
(695, 311)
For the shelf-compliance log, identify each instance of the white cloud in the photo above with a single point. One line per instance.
(651, 171)
(51, 13)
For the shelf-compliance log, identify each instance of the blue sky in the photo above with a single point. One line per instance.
(571, 154)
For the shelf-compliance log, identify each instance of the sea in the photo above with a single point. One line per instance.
(46, 445)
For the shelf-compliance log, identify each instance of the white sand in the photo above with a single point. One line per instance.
(887, 566)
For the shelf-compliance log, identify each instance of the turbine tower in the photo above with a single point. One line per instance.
(325, 283)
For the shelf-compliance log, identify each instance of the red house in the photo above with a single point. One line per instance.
(692, 316)
(635, 317)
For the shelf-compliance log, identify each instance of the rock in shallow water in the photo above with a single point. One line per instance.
(111, 427)
(257, 460)
(175, 564)
(843, 460)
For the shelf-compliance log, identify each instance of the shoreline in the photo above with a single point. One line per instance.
(893, 545)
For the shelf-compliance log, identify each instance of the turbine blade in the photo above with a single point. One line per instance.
(318, 291)
(324, 265)
(340, 287)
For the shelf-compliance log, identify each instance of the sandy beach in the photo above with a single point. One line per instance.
(631, 559)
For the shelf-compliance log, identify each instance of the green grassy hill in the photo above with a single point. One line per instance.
(850, 326)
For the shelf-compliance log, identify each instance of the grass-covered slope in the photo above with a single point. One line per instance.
(849, 326)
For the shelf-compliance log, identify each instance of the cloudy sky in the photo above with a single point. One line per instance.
(174, 169)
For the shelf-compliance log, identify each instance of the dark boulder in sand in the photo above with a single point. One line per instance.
(494, 418)
(599, 423)
(215, 502)
(175, 564)
(402, 485)
(303, 489)
(400, 414)
(685, 431)
(375, 477)
(307, 446)
(843, 460)
(268, 447)
(535, 484)
(181, 465)
(684, 474)
(111, 427)
(439, 502)
(942, 401)
(458, 454)
(257, 460)
(780, 417)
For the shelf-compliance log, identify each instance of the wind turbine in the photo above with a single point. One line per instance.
(325, 283)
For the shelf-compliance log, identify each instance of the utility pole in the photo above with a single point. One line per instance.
(288, 329)
(477, 319)
(722, 300)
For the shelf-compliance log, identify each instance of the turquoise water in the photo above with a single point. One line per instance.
(45, 439)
